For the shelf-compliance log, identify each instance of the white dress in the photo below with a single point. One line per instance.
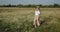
(37, 13)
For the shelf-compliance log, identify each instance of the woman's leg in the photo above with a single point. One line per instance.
(35, 20)
(34, 23)
(38, 23)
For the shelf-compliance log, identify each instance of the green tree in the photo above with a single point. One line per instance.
(56, 5)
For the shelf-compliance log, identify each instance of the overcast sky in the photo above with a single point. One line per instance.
(44, 2)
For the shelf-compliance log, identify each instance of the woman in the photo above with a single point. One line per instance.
(36, 18)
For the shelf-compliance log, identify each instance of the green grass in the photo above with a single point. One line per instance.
(21, 20)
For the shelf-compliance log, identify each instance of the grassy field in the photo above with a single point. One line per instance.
(21, 20)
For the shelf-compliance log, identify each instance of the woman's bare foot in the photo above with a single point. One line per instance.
(35, 26)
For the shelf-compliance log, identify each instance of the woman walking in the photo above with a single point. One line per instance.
(36, 17)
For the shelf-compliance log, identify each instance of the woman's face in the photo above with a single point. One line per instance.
(37, 8)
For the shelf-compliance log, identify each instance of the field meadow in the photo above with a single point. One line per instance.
(14, 19)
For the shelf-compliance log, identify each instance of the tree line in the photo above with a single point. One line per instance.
(43, 6)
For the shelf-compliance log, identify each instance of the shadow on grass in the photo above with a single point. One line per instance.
(45, 20)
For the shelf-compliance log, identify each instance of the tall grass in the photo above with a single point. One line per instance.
(22, 21)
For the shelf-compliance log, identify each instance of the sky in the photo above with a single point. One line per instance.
(25, 2)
